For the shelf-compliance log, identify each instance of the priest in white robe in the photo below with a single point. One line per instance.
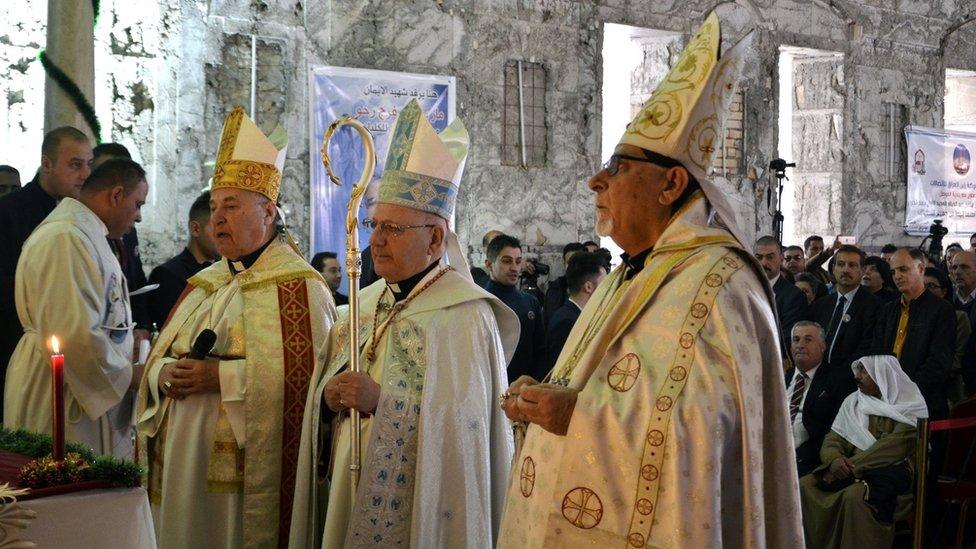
(436, 447)
(70, 285)
(222, 434)
(664, 422)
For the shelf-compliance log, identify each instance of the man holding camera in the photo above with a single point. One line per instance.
(504, 265)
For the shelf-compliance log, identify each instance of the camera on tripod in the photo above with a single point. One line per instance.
(937, 230)
(778, 165)
(936, 233)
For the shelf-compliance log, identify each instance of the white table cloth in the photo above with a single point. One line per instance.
(91, 519)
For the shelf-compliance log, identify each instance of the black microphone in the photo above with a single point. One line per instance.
(204, 344)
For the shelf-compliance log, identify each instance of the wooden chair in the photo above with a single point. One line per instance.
(955, 486)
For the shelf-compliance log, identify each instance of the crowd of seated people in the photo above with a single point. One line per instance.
(879, 342)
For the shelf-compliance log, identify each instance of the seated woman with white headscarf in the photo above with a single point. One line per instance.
(866, 479)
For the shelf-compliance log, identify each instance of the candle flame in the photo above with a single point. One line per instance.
(54, 345)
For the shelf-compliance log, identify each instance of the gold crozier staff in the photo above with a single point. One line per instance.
(353, 266)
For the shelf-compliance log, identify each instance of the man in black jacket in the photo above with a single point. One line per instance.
(171, 276)
(815, 391)
(791, 304)
(919, 329)
(583, 274)
(849, 316)
(963, 271)
(558, 290)
(504, 264)
(66, 156)
(9, 179)
(327, 263)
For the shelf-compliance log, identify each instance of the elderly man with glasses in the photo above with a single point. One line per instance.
(664, 421)
(436, 447)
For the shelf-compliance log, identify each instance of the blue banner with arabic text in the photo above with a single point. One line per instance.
(374, 98)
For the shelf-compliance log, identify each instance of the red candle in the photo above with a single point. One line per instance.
(57, 401)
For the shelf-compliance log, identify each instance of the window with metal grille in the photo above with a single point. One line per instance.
(524, 116)
(896, 118)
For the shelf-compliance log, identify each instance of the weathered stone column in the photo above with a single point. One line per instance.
(70, 46)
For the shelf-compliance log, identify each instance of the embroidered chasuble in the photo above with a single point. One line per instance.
(70, 285)
(222, 466)
(680, 436)
(437, 451)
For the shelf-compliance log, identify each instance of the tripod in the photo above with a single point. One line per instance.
(779, 170)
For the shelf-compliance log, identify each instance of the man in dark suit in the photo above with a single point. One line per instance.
(919, 329)
(583, 274)
(815, 393)
(791, 304)
(558, 290)
(849, 316)
(66, 156)
(963, 271)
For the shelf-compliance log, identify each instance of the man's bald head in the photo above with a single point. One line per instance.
(66, 156)
(962, 268)
(908, 269)
(50, 146)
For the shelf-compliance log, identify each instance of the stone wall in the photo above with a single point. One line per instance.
(182, 64)
(818, 114)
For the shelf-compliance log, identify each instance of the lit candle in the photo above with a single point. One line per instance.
(57, 400)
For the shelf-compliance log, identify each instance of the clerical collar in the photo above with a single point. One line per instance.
(635, 264)
(403, 288)
(245, 262)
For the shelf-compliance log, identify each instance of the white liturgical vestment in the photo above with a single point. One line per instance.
(70, 285)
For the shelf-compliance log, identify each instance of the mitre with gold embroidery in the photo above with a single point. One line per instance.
(684, 119)
(249, 160)
(423, 168)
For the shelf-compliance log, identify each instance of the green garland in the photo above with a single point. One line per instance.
(119, 473)
(68, 85)
(74, 92)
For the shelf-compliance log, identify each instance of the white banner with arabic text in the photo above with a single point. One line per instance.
(941, 181)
